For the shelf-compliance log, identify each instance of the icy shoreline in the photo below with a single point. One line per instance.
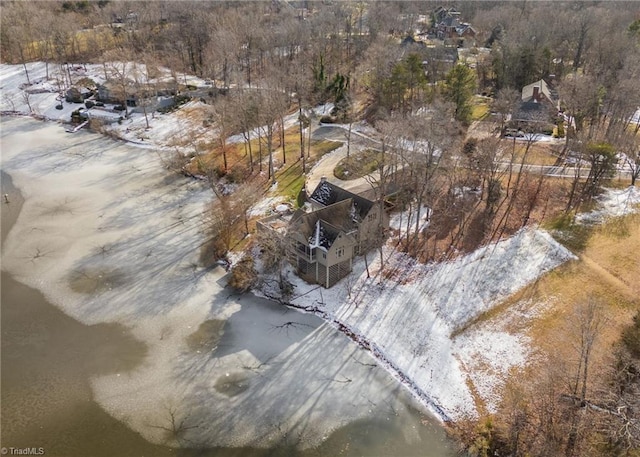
(108, 236)
(379, 356)
(413, 325)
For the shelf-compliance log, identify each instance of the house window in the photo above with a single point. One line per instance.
(340, 252)
(324, 255)
(372, 216)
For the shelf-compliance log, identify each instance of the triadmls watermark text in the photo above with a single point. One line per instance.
(22, 451)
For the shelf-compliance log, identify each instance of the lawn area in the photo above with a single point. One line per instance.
(607, 271)
(542, 154)
(289, 176)
(290, 181)
(479, 108)
(358, 165)
(539, 153)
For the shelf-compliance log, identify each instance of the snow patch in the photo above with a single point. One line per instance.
(410, 218)
(265, 207)
(612, 203)
(411, 313)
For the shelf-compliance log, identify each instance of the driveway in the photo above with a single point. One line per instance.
(328, 163)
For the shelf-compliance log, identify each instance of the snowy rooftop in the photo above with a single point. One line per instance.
(323, 236)
(327, 194)
(322, 226)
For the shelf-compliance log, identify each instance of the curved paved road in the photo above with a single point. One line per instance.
(326, 165)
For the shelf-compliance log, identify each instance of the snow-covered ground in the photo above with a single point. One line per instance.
(108, 236)
(612, 203)
(16, 96)
(415, 316)
(402, 221)
(179, 130)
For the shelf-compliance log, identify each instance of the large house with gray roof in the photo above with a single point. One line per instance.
(322, 243)
(539, 106)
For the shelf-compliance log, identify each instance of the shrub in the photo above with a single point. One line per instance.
(243, 274)
(219, 171)
(286, 288)
(73, 95)
(96, 125)
(89, 104)
(182, 99)
(470, 146)
(494, 191)
(86, 82)
(326, 119)
(179, 100)
(238, 173)
(212, 251)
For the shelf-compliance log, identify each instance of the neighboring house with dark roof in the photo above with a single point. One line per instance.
(539, 105)
(465, 30)
(323, 242)
(441, 14)
(448, 26)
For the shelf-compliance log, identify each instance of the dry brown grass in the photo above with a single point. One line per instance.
(543, 154)
(546, 313)
(539, 153)
(607, 270)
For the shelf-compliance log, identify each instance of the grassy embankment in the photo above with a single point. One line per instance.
(358, 164)
(289, 176)
(606, 270)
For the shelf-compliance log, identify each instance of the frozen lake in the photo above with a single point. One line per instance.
(150, 350)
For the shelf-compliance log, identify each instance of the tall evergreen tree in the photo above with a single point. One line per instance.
(460, 85)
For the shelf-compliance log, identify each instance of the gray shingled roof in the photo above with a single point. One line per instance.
(321, 227)
(327, 194)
